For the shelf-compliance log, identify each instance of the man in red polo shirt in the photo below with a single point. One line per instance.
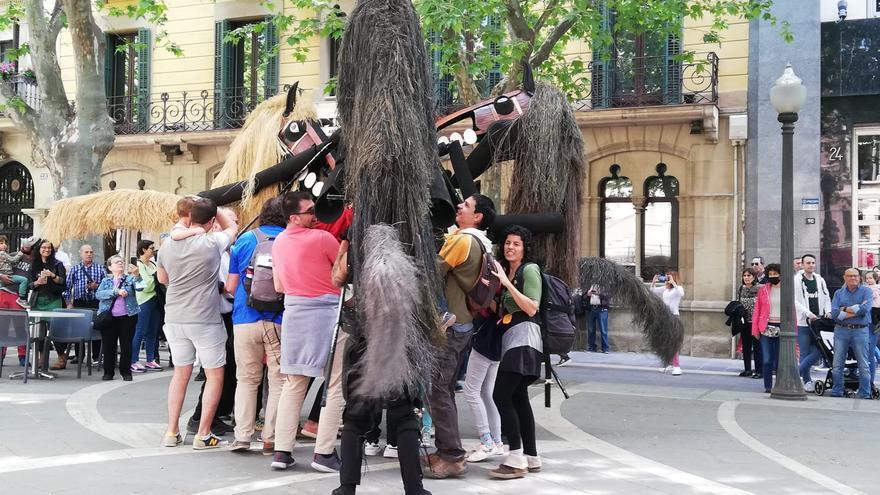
(303, 259)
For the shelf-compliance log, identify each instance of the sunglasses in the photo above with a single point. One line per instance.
(310, 211)
(755, 264)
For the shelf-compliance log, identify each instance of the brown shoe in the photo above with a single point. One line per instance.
(268, 448)
(61, 364)
(309, 430)
(505, 472)
(438, 468)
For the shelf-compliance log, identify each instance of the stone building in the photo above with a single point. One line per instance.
(664, 187)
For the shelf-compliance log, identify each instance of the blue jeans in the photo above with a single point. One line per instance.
(597, 316)
(870, 353)
(857, 340)
(147, 328)
(810, 353)
(769, 359)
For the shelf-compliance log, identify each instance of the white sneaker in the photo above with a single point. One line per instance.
(665, 369)
(535, 463)
(676, 371)
(808, 387)
(483, 452)
(390, 452)
(372, 448)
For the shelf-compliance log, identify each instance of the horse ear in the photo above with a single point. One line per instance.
(291, 99)
(528, 78)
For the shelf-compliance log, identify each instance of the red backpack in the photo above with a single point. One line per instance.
(487, 284)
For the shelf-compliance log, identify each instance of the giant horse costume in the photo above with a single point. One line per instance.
(385, 162)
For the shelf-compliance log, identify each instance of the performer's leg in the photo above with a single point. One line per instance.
(402, 417)
(357, 419)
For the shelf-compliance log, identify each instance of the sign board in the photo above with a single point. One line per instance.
(809, 204)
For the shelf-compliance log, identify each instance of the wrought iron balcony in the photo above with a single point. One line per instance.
(183, 111)
(650, 81)
(25, 87)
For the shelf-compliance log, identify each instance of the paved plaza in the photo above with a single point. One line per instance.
(626, 429)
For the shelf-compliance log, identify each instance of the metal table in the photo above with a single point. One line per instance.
(36, 316)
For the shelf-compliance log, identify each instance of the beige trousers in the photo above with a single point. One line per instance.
(293, 392)
(253, 342)
(331, 413)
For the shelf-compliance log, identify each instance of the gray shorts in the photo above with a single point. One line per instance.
(206, 339)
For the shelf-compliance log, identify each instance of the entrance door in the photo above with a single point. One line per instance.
(866, 188)
(16, 193)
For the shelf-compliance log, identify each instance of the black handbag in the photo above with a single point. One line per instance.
(103, 320)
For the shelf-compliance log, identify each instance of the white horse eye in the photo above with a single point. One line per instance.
(470, 137)
(318, 187)
(310, 180)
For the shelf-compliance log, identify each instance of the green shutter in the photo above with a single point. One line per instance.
(144, 55)
(109, 48)
(442, 94)
(223, 65)
(672, 70)
(270, 82)
(602, 66)
(494, 75)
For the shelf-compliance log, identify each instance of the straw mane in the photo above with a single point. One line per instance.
(257, 148)
(106, 211)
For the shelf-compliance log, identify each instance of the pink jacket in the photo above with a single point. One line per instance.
(761, 315)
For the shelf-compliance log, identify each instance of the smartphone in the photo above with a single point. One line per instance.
(133, 260)
(661, 278)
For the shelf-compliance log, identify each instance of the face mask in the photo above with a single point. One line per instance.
(774, 280)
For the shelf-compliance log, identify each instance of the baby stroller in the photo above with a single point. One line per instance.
(822, 330)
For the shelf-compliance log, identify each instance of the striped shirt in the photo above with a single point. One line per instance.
(78, 279)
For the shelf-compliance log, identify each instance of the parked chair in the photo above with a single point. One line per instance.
(14, 332)
(77, 331)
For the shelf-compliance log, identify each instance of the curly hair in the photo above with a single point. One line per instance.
(525, 235)
(773, 267)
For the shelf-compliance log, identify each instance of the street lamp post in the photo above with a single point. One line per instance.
(787, 96)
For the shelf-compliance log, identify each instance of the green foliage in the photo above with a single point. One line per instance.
(154, 12)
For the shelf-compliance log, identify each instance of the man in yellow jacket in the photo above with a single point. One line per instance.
(459, 267)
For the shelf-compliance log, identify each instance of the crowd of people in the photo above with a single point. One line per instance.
(853, 311)
(259, 310)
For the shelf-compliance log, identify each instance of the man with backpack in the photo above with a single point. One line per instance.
(256, 319)
(462, 266)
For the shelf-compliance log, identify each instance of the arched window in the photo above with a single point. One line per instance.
(617, 229)
(660, 223)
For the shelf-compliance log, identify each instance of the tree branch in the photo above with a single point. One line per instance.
(56, 21)
(45, 62)
(546, 48)
(546, 15)
(517, 21)
(91, 99)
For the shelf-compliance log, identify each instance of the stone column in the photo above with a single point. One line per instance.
(768, 54)
(639, 205)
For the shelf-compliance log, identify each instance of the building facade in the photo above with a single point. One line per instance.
(664, 140)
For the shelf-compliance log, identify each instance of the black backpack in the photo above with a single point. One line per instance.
(557, 313)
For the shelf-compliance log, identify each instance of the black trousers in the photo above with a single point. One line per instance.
(120, 332)
(751, 348)
(361, 414)
(227, 395)
(511, 396)
(375, 431)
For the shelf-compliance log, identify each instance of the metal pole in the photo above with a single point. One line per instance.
(788, 384)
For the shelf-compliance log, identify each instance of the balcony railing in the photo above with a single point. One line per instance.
(25, 87)
(203, 110)
(650, 81)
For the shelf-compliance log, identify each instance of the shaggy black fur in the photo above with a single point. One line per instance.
(390, 143)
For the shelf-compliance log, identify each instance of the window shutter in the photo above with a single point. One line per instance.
(144, 56)
(223, 63)
(442, 95)
(494, 75)
(109, 49)
(602, 65)
(271, 75)
(672, 69)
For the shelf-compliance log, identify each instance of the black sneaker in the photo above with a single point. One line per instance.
(192, 426)
(327, 463)
(563, 361)
(220, 427)
(200, 377)
(282, 460)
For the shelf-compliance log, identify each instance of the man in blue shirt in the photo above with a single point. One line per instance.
(851, 311)
(257, 336)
